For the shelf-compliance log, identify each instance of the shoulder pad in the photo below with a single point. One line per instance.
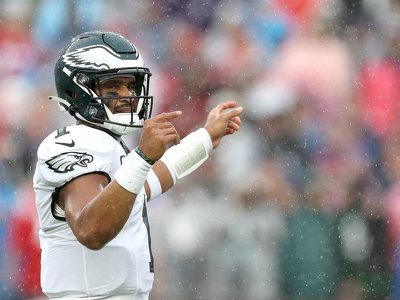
(76, 150)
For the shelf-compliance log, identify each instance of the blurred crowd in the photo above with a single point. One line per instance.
(303, 204)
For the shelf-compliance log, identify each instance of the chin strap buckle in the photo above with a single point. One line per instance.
(72, 110)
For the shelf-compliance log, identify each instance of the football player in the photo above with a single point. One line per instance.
(91, 190)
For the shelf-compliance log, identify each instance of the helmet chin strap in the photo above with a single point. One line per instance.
(118, 129)
(122, 118)
(63, 104)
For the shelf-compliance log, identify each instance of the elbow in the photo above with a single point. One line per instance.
(93, 239)
(94, 234)
(94, 245)
(91, 243)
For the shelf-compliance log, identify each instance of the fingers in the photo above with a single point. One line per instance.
(168, 116)
(233, 113)
(167, 132)
(236, 120)
(232, 125)
(233, 121)
(223, 106)
(160, 125)
(226, 105)
(159, 132)
(172, 138)
(171, 135)
(164, 125)
(229, 131)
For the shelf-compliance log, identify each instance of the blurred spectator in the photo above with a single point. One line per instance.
(310, 255)
(244, 258)
(363, 233)
(7, 198)
(380, 90)
(23, 245)
(185, 84)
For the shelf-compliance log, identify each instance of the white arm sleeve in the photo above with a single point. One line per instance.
(191, 153)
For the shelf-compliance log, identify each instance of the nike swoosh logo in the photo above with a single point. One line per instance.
(67, 144)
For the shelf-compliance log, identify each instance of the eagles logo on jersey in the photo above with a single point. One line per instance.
(67, 161)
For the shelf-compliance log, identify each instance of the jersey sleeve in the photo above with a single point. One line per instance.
(63, 157)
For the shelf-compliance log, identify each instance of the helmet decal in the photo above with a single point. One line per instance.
(97, 57)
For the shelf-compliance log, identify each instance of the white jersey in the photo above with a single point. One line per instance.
(69, 269)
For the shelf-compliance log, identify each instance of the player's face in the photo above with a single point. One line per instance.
(118, 92)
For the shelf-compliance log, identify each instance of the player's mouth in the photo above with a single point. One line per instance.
(126, 107)
(123, 110)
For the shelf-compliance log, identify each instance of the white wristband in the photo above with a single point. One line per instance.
(132, 173)
(154, 184)
(184, 158)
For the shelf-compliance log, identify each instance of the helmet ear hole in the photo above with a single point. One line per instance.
(71, 94)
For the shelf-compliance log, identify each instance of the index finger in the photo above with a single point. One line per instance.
(167, 116)
(232, 113)
(225, 105)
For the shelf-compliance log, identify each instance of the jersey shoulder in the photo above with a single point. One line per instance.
(74, 138)
(76, 150)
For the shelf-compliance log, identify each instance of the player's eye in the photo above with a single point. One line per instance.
(135, 88)
(111, 87)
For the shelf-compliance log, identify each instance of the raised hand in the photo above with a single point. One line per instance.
(158, 133)
(223, 120)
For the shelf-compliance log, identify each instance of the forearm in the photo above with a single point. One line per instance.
(103, 218)
(179, 161)
(161, 183)
(95, 209)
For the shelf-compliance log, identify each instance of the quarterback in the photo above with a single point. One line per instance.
(91, 190)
